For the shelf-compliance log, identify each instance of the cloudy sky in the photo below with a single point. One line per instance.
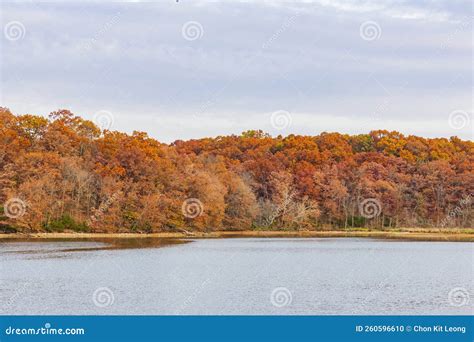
(190, 69)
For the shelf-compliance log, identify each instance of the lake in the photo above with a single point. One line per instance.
(275, 276)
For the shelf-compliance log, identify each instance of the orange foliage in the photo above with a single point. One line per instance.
(72, 175)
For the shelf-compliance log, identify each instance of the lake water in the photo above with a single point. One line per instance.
(238, 276)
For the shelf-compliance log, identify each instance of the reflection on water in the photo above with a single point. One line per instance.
(46, 246)
(235, 276)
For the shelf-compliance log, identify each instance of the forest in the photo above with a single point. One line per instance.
(63, 173)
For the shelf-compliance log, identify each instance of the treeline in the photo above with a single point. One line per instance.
(64, 173)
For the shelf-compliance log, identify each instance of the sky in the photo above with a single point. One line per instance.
(193, 69)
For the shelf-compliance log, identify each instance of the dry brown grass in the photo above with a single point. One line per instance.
(417, 234)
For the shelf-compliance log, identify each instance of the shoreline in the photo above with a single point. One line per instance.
(451, 235)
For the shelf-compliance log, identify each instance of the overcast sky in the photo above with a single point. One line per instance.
(191, 69)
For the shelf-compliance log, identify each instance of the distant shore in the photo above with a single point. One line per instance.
(415, 234)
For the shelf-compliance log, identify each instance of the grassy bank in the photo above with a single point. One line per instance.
(416, 234)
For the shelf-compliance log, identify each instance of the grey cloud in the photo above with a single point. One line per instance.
(253, 58)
